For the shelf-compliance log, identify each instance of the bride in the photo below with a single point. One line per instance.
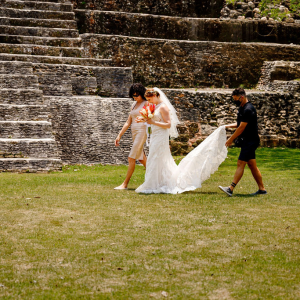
(162, 173)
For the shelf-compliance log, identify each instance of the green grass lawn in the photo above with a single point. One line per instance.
(69, 235)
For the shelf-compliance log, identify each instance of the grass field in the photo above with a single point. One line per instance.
(69, 235)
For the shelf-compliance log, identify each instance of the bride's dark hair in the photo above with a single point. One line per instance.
(151, 93)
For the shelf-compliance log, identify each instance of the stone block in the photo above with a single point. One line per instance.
(204, 64)
(18, 81)
(40, 50)
(25, 129)
(187, 8)
(56, 60)
(25, 148)
(39, 31)
(31, 165)
(23, 112)
(36, 14)
(38, 5)
(21, 96)
(85, 129)
(84, 85)
(177, 28)
(43, 41)
(15, 68)
(56, 84)
(46, 23)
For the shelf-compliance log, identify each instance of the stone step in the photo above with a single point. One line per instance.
(21, 97)
(55, 84)
(24, 148)
(31, 165)
(194, 29)
(180, 8)
(56, 60)
(10, 112)
(18, 81)
(36, 14)
(77, 80)
(52, 1)
(84, 80)
(25, 129)
(15, 68)
(43, 41)
(30, 22)
(41, 50)
(38, 31)
(37, 5)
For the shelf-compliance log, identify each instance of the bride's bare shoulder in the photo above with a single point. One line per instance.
(164, 107)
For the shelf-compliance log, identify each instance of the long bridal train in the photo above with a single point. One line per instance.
(164, 176)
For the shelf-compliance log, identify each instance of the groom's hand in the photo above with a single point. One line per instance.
(228, 143)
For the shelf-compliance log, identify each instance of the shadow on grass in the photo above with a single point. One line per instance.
(185, 193)
(246, 195)
(200, 193)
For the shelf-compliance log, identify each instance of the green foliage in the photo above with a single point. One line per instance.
(271, 8)
(295, 6)
(231, 1)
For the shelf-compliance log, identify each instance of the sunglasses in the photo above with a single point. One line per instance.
(135, 95)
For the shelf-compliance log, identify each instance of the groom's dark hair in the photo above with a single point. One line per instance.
(239, 92)
(137, 88)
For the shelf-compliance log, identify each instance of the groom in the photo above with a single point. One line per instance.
(248, 139)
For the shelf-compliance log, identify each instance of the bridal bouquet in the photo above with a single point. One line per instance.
(147, 112)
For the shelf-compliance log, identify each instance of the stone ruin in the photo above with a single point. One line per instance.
(66, 68)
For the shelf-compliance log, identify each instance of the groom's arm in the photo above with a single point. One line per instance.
(238, 132)
(233, 125)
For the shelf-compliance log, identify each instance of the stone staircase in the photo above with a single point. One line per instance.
(26, 139)
(41, 57)
(199, 58)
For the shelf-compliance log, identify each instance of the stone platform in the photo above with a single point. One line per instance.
(64, 91)
(41, 55)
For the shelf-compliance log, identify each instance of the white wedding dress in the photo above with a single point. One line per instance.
(162, 173)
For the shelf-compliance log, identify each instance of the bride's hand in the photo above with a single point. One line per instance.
(140, 120)
(149, 121)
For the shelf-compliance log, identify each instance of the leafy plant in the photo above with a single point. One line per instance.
(271, 8)
(231, 1)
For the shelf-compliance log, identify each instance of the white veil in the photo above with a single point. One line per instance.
(174, 119)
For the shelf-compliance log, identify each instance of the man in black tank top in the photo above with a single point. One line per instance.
(246, 136)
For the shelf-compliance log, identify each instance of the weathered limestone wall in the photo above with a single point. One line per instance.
(281, 76)
(68, 80)
(85, 129)
(202, 111)
(182, 8)
(166, 27)
(176, 64)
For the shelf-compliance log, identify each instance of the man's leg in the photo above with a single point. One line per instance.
(238, 173)
(237, 177)
(256, 174)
